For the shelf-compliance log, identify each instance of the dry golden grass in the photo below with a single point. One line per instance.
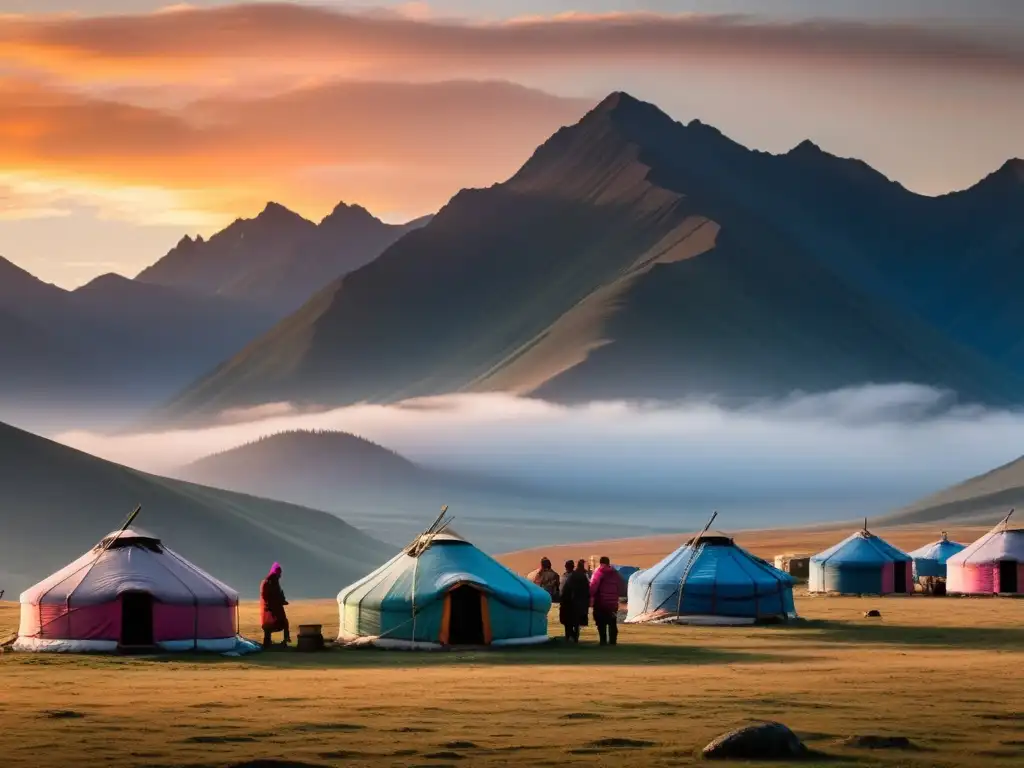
(944, 672)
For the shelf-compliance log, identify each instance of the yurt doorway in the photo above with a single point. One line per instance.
(1008, 576)
(136, 619)
(899, 576)
(466, 622)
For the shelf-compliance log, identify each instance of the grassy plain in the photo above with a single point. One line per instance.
(947, 673)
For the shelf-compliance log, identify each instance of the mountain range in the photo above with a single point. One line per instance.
(277, 260)
(56, 503)
(125, 345)
(633, 256)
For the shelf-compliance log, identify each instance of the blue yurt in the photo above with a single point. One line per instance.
(710, 580)
(625, 571)
(861, 564)
(930, 560)
(442, 591)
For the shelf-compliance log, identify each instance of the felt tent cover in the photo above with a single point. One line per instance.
(930, 560)
(722, 580)
(860, 563)
(985, 566)
(407, 602)
(79, 607)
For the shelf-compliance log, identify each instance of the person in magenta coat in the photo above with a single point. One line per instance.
(604, 591)
(272, 603)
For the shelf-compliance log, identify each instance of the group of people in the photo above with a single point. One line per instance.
(579, 588)
(575, 591)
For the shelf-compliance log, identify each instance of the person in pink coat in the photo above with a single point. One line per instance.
(604, 591)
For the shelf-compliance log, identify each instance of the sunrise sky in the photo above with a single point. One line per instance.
(125, 124)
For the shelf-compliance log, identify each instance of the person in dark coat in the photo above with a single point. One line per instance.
(573, 609)
(547, 579)
(581, 565)
(272, 603)
(604, 589)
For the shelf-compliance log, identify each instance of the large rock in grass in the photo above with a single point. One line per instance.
(760, 741)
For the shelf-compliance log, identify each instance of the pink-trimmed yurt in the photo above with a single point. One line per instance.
(129, 591)
(994, 564)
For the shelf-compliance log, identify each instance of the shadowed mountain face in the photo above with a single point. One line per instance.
(113, 343)
(278, 259)
(129, 344)
(636, 257)
(56, 503)
(982, 499)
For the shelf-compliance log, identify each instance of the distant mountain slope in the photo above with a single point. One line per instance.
(985, 498)
(33, 363)
(300, 464)
(111, 342)
(278, 259)
(631, 256)
(56, 502)
(380, 490)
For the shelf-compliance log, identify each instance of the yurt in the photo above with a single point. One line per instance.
(710, 580)
(625, 572)
(994, 564)
(862, 564)
(930, 560)
(129, 591)
(442, 591)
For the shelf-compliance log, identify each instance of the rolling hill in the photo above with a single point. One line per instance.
(56, 503)
(278, 259)
(983, 499)
(310, 467)
(636, 257)
(382, 491)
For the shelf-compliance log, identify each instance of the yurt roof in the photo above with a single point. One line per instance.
(436, 569)
(711, 538)
(127, 537)
(1001, 543)
(861, 548)
(940, 550)
(133, 562)
(720, 560)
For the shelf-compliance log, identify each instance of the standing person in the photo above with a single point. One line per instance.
(604, 589)
(547, 579)
(272, 603)
(575, 601)
(581, 565)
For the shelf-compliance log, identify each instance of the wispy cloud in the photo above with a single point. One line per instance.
(281, 36)
(202, 114)
(892, 442)
(386, 145)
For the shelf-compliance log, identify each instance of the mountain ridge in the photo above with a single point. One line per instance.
(601, 239)
(277, 259)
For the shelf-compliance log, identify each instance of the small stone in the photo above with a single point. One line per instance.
(872, 614)
(760, 741)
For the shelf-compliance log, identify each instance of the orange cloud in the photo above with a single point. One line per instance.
(389, 146)
(302, 38)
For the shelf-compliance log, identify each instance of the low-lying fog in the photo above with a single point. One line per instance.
(833, 456)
